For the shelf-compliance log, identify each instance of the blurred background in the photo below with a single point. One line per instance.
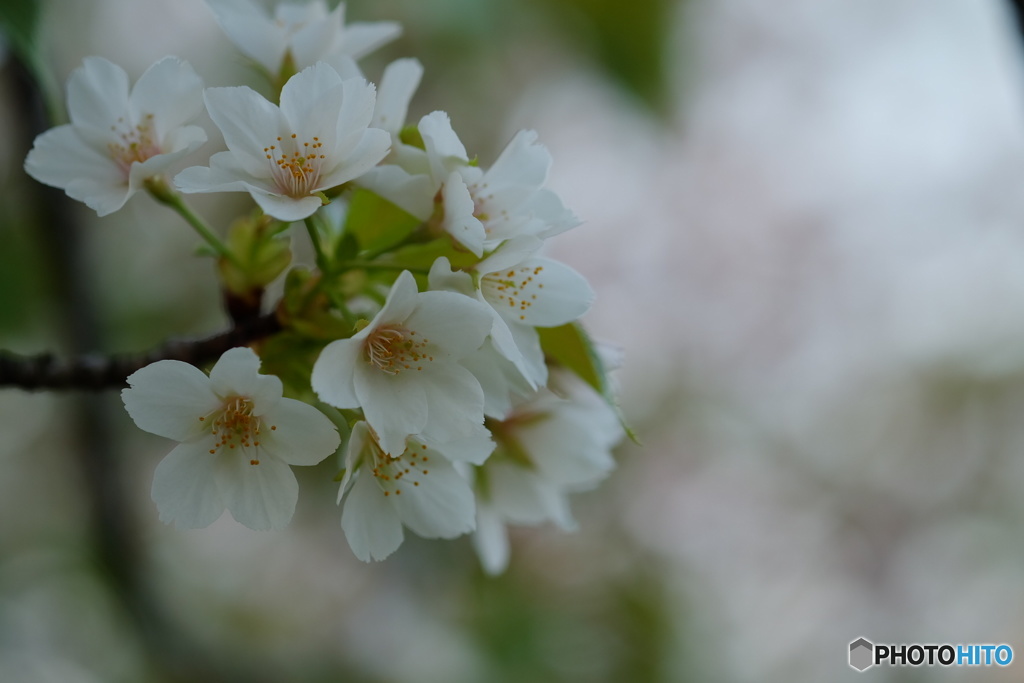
(805, 225)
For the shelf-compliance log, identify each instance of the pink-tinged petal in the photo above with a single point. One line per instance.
(249, 123)
(363, 37)
(394, 405)
(171, 91)
(304, 435)
(397, 85)
(522, 163)
(185, 488)
(491, 540)
(260, 496)
(237, 373)
(370, 521)
(97, 94)
(456, 325)
(442, 506)
(333, 376)
(459, 221)
(168, 397)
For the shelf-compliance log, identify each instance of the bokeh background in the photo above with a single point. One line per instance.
(804, 220)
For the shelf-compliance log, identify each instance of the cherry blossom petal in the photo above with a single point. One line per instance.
(442, 506)
(371, 523)
(184, 487)
(260, 496)
(303, 435)
(168, 397)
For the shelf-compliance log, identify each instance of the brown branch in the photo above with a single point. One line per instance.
(96, 372)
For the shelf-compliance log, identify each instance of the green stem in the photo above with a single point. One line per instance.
(162, 192)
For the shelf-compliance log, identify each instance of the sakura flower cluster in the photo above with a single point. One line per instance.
(433, 351)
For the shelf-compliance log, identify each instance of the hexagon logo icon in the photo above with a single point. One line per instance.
(862, 654)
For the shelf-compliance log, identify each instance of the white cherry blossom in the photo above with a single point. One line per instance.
(303, 33)
(548, 448)
(403, 368)
(119, 136)
(417, 488)
(238, 437)
(284, 156)
(522, 292)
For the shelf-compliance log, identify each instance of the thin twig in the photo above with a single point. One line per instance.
(96, 372)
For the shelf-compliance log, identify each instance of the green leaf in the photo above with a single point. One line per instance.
(570, 346)
(377, 223)
(422, 256)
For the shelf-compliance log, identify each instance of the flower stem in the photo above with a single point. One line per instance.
(162, 192)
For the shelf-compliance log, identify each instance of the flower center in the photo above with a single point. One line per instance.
(393, 473)
(514, 289)
(235, 427)
(392, 349)
(295, 165)
(134, 143)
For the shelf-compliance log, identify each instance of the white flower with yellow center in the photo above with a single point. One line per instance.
(118, 137)
(285, 156)
(417, 488)
(403, 368)
(303, 33)
(522, 292)
(238, 437)
(548, 448)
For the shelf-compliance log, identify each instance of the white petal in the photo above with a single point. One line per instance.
(304, 435)
(459, 221)
(171, 91)
(249, 124)
(397, 85)
(97, 94)
(491, 540)
(284, 208)
(538, 292)
(499, 379)
(252, 30)
(457, 325)
(444, 149)
(310, 102)
(60, 158)
(317, 33)
(261, 496)
(184, 486)
(371, 523)
(521, 496)
(442, 506)
(363, 37)
(522, 163)
(372, 147)
(358, 445)
(511, 253)
(168, 397)
(473, 449)
(394, 405)
(413, 193)
(528, 342)
(354, 116)
(237, 373)
(402, 300)
(455, 402)
(444, 278)
(333, 377)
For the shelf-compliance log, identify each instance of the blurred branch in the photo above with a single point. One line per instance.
(97, 372)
